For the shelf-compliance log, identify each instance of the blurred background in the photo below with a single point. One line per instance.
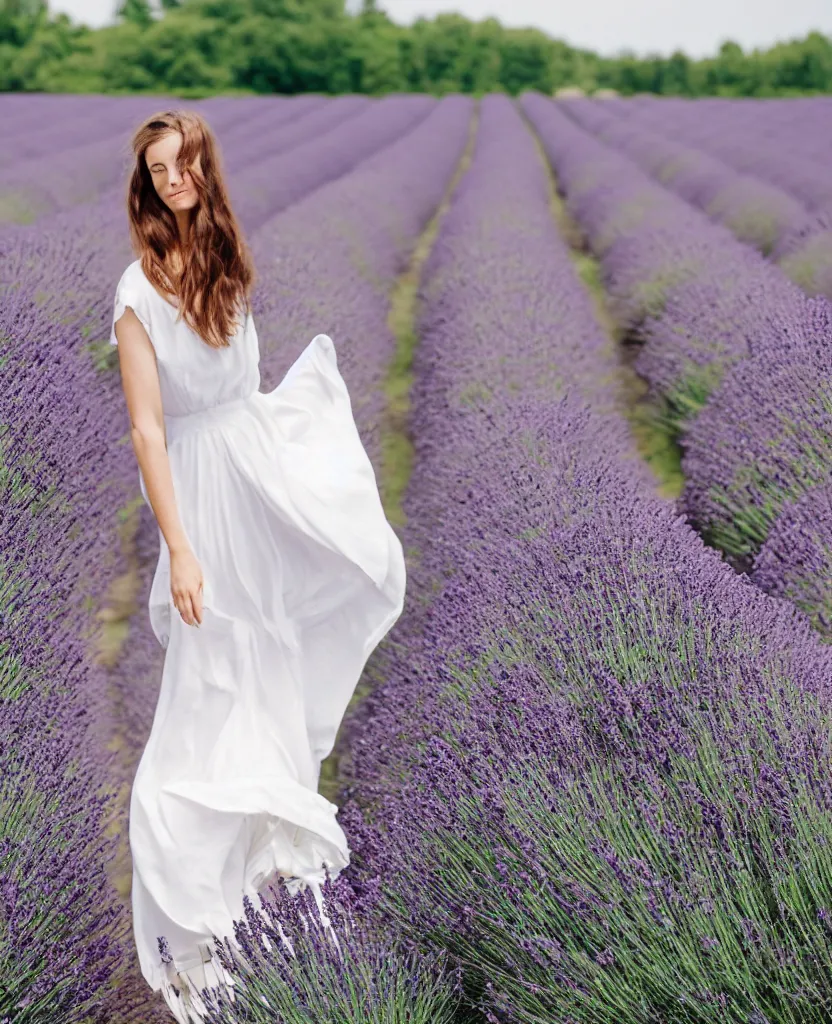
(199, 48)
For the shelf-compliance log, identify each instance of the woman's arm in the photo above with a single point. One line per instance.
(140, 381)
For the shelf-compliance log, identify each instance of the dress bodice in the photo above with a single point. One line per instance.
(192, 375)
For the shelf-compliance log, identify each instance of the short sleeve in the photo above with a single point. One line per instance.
(129, 293)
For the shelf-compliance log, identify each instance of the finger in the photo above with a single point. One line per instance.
(189, 610)
(198, 606)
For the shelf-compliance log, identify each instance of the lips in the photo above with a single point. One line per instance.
(175, 194)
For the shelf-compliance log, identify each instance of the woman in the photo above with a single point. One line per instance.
(278, 573)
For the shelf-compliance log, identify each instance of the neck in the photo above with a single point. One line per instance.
(183, 223)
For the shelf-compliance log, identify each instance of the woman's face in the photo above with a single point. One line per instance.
(174, 188)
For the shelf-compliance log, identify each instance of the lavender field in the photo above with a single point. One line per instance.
(588, 775)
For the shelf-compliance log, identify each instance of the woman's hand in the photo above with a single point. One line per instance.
(186, 585)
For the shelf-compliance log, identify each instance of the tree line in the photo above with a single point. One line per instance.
(200, 47)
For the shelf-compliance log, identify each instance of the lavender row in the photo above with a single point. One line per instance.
(43, 126)
(785, 144)
(66, 485)
(365, 226)
(92, 171)
(796, 235)
(285, 179)
(19, 111)
(758, 213)
(595, 775)
(738, 359)
(680, 283)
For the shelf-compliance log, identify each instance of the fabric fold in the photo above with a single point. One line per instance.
(303, 577)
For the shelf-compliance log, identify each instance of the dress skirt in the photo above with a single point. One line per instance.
(303, 577)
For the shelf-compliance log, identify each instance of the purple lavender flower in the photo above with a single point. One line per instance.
(595, 742)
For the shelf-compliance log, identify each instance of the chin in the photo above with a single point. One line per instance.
(177, 206)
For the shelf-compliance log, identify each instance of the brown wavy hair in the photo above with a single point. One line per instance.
(214, 284)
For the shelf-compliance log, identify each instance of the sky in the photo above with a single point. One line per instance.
(606, 26)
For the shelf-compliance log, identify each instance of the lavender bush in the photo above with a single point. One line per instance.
(595, 774)
(63, 936)
(21, 111)
(795, 562)
(735, 354)
(805, 253)
(762, 441)
(288, 967)
(758, 213)
(784, 143)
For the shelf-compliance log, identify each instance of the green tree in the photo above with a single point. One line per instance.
(675, 76)
(728, 72)
(290, 46)
(137, 12)
(50, 44)
(375, 55)
(278, 57)
(20, 19)
(480, 66)
(630, 74)
(525, 61)
(302, 11)
(437, 53)
(802, 66)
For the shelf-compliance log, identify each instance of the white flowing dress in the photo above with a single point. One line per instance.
(303, 577)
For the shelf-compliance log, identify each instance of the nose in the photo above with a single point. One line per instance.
(175, 178)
